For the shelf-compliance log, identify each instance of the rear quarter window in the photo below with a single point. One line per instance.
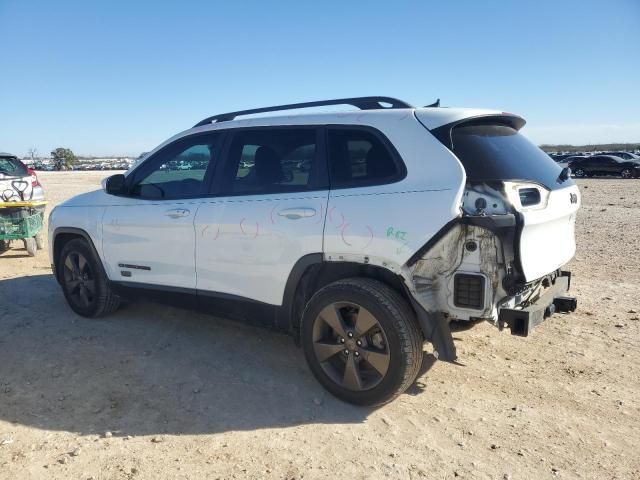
(499, 152)
(361, 157)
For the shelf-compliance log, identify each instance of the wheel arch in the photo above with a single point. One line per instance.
(312, 272)
(62, 236)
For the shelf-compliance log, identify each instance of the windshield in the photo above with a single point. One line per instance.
(12, 167)
(498, 152)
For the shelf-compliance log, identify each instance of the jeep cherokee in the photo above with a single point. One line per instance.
(362, 233)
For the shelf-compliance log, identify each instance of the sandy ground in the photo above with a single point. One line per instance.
(184, 395)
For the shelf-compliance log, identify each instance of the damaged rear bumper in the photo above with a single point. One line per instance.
(522, 320)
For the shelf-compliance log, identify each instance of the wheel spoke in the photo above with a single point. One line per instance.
(68, 264)
(73, 285)
(324, 350)
(379, 361)
(90, 285)
(84, 297)
(75, 267)
(331, 316)
(365, 321)
(351, 378)
(82, 263)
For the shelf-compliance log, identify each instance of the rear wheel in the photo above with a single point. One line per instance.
(361, 341)
(31, 246)
(84, 283)
(579, 172)
(4, 245)
(40, 241)
(626, 173)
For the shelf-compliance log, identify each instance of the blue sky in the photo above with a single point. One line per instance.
(119, 77)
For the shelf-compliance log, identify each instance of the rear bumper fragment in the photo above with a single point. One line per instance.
(522, 321)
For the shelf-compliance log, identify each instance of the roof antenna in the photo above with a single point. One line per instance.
(436, 104)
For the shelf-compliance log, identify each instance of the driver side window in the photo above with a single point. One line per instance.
(181, 170)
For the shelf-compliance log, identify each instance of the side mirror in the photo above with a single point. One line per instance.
(115, 185)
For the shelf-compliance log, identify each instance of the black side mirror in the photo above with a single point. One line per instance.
(116, 185)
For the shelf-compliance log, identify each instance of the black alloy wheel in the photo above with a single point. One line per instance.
(351, 346)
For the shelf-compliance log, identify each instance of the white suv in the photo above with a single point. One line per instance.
(362, 233)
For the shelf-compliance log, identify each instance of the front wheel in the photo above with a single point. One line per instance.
(626, 173)
(361, 341)
(84, 283)
(580, 173)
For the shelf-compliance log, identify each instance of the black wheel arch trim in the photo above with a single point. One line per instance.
(56, 251)
(285, 315)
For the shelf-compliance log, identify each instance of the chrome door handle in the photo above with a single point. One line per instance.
(177, 213)
(296, 213)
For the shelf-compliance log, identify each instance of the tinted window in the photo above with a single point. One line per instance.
(359, 157)
(12, 167)
(180, 170)
(270, 161)
(499, 152)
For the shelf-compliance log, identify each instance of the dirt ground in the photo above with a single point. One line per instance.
(157, 392)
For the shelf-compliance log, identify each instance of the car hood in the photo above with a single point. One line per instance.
(96, 198)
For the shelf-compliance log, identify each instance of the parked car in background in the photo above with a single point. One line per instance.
(604, 165)
(17, 181)
(625, 155)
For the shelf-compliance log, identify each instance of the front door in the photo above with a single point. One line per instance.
(149, 237)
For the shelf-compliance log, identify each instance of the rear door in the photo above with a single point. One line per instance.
(149, 237)
(498, 153)
(267, 214)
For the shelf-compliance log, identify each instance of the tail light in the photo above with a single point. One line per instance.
(34, 177)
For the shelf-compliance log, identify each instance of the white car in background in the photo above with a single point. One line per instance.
(362, 233)
(18, 183)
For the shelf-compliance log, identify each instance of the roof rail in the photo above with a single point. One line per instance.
(363, 103)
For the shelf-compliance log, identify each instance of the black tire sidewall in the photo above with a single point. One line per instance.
(395, 374)
(80, 246)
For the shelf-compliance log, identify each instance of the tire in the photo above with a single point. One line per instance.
(341, 363)
(40, 241)
(626, 173)
(31, 246)
(580, 173)
(84, 282)
(4, 245)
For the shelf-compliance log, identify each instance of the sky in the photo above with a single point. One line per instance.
(119, 77)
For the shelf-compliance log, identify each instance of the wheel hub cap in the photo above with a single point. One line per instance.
(351, 346)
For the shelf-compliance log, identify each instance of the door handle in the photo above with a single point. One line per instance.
(177, 213)
(296, 213)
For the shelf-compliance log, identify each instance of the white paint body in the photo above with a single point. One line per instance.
(248, 245)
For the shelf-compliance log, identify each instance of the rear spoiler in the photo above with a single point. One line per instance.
(443, 133)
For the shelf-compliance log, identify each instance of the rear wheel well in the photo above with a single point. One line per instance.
(319, 275)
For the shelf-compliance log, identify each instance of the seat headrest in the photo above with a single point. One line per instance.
(267, 165)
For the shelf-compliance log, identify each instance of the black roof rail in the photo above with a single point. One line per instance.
(363, 103)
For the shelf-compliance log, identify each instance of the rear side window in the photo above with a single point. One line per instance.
(271, 161)
(499, 152)
(359, 157)
(12, 167)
